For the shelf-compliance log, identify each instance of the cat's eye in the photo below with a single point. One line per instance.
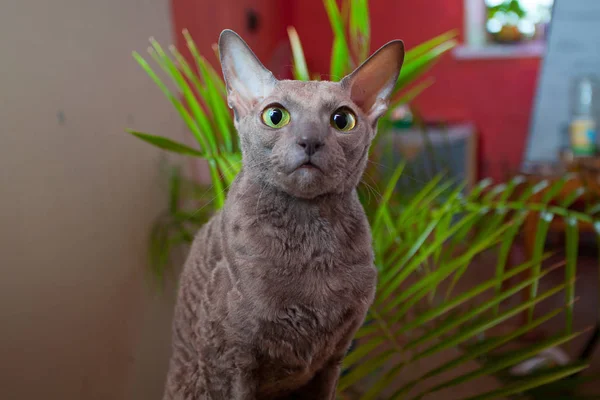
(343, 120)
(276, 117)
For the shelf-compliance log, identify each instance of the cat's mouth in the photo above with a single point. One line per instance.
(308, 165)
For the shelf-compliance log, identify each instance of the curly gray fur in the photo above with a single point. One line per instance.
(277, 283)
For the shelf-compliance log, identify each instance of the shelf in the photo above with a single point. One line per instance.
(500, 51)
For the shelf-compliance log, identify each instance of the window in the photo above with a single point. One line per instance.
(514, 21)
(505, 28)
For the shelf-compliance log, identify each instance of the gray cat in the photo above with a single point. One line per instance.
(278, 282)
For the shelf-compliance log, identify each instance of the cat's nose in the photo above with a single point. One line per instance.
(310, 144)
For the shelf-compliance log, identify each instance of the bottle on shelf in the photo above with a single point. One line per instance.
(583, 121)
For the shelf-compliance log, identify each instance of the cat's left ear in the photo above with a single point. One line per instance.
(247, 80)
(372, 83)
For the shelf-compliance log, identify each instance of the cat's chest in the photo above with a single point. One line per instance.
(286, 244)
(316, 262)
(296, 341)
(305, 284)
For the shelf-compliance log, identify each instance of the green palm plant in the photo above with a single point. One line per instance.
(424, 243)
(201, 103)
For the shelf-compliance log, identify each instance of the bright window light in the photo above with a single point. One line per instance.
(512, 21)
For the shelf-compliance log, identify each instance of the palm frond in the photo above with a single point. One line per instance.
(300, 68)
(395, 338)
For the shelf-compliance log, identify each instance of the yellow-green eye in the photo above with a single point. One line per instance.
(343, 120)
(276, 117)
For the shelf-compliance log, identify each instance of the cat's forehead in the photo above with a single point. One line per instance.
(309, 93)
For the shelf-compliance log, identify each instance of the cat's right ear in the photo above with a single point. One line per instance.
(372, 83)
(247, 80)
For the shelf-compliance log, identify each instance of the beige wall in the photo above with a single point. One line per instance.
(77, 196)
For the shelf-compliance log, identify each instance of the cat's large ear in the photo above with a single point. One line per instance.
(372, 83)
(247, 80)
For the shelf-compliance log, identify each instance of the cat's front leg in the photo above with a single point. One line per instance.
(323, 385)
(244, 381)
(243, 387)
(231, 384)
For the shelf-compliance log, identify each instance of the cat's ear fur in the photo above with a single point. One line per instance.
(372, 83)
(247, 80)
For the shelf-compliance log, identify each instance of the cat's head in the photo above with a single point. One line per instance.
(307, 138)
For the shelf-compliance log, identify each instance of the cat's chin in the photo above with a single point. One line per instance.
(306, 182)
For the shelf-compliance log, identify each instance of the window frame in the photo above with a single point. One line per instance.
(476, 45)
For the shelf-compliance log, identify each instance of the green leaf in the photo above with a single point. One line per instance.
(158, 249)
(563, 389)
(359, 372)
(462, 298)
(453, 323)
(396, 275)
(441, 229)
(444, 271)
(593, 209)
(505, 248)
(218, 188)
(188, 73)
(464, 233)
(387, 194)
(218, 94)
(512, 185)
(532, 190)
(530, 383)
(486, 324)
(174, 191)
(417, 67)
(568, 200)
(383, 382)
(183, 112)
(495, 191)
(430, 44)
(506, 361)
(300, 68)
(167, 144)
(366, 330)
(493, 222)
(421, 201)
(213, 95)
(225, 170)
(230, 166)
(360, 352)
(555, 188)
(169, 67)
(340, 54)
(411, 94)
(360, 35)
(486, 347)
(572, 238)
(538, 249)
(386, 234)
(479, 188)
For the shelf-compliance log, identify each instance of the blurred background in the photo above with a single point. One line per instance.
(80, 316)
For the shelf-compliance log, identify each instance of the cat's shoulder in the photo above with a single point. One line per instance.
(207, 232)
(206, 249)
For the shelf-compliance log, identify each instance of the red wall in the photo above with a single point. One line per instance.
(495, 94)
(205, 19)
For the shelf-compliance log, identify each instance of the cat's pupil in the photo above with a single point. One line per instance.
(340, 120)
(275, 115)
